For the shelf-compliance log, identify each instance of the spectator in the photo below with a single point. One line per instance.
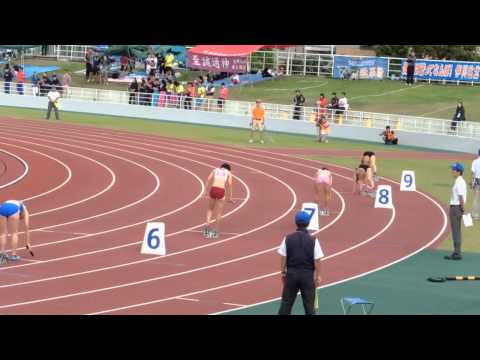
(7, 78)
(180, 90)
(299, 101)
(161, 64)
(133, 91)
(142, 90)
(35, 80)
(334, 105)
(389, 136)
(459, 116)
(411, 68)
(300, 266)
(105, 66)
(169, 60)
(66, 81)
(55, 82)
(235, 79)
(20, 79)
(201, 93)
(223, 97)
(322, 105)
(210, 89)
(190, 95)
(343, 104)
(124, 63)
(267, 72)
(88, 64)
(151, 65)
(210, 94)
(156, 91)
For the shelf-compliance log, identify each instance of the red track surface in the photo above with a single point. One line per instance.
(91, 191)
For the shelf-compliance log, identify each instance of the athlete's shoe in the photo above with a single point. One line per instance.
(3, 259)
(372, 194)
(363, 193)
(326, 212)
(14, 258)
(206, 230)
(213, 234)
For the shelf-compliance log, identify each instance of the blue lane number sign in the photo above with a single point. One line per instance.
(154, 239)
(408, 181)
(312, 210)
(384, 197)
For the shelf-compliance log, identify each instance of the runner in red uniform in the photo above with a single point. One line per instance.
(218, 184)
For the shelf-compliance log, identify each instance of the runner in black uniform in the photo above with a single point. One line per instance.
(370, 155)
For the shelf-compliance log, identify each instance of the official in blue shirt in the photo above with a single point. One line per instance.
(300, 266)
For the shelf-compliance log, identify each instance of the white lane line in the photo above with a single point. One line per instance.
(387, 92)
(109, 170)
(330, 224)
(445, 222)
(117, 209)
(61, 232)
(221, 232)
(69, 171)
(302, 88)
(232, 304)
(199, 196)
(436, 111)
(251, 279)
(187, 299)
(32, 260)
(19, 178)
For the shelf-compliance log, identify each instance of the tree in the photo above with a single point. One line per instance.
(450, 52)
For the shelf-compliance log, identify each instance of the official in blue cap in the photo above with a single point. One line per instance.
(300, 266)
(458, 200)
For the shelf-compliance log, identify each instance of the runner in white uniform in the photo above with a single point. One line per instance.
(218, 183)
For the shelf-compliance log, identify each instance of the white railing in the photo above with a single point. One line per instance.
(423, 125)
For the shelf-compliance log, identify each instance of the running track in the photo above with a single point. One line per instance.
(91, 191)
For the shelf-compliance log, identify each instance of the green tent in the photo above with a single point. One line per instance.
(137, 51)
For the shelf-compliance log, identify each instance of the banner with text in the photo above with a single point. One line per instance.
(229, 64)
(444, 70)
(352, 68)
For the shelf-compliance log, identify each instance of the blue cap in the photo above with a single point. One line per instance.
(457, 167)
(302, 218)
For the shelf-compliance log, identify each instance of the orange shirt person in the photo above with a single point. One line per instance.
(258, 121)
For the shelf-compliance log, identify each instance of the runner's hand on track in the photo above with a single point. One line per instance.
(318, 280)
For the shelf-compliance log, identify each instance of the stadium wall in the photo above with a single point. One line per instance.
(437, 142)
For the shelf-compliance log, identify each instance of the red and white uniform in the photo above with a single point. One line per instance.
(220, 178)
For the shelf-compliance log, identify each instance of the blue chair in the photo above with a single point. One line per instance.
(348, 303)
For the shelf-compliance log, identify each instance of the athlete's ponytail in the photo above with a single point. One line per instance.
(226, 166)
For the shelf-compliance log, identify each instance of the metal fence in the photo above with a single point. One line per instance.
(423, 125)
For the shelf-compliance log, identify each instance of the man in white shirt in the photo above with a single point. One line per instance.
(53, 103)
(300, 266)
(343, 105)
(458, 200)
(476, 187)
